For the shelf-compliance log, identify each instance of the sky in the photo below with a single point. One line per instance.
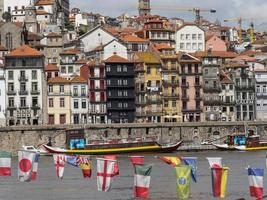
(225, 8)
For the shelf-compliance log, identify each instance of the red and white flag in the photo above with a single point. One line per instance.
(255, 178)
(142, 180)
(59, 161)
(215, 162)
(105, 170)
(5, 163)
(35, 167)
(137, 160)
(116, 165)
(25, 165)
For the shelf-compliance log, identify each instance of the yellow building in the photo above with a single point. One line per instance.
(148, 88)
(59, 101)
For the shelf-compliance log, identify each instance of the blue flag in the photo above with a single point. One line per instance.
(72, 160)
(192, 161)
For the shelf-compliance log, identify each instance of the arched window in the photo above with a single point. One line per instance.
(9, 41)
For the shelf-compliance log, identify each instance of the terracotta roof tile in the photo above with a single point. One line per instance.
(224, 78)
(81, 61)
(78, 79)
(244, 58)
(163, 46)
(235, 65)
(53, 34)
(57, 80)
(24, 51)
(220, 54)
(70, 52)
(42, 12)
(51, 67)
(132, 38)
(44, 2)
(116, 59)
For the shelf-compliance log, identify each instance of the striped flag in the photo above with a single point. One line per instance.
(173, 161)
(142, 180)
(183, 181)
(59, 161)
(215, 161)
(116, 165)
(72, 160)
(219, 181)
(137, 160)
(35, 167)
(255, 178)
(86, 166)
(5, 163)
(105, 170)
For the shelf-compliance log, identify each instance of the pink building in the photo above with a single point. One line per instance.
(214, 43)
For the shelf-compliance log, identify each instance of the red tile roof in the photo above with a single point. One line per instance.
(116, 59)
(81, 61)
(42, 12)
(235, 65)
(51, 67)
(57, 80)
(44, 2)
(53, 34)
(163, 46)
(244, 58)
(221, 54)
(132, 38)
(24, 51)
(78, 79)
(224, 78)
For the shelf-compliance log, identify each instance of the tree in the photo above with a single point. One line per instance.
(6, 16)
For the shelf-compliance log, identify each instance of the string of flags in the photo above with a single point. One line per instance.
(185, 169)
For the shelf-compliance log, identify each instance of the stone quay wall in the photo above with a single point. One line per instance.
(12, 138)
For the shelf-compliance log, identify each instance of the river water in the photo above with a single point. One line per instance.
(74, 187)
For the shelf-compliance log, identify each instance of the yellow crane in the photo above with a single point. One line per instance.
(196, 11)
(240, 21)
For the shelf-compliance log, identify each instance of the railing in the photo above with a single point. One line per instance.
(185, 98)
(154, 100)
(185, 85)
(198, 84)
(245, 87)
(169, 82)
(212, 102)
(23, 78)
(11, 92)
(35, 92)
(36, 107)
(170, 95)
(198, 97)
(23, 92)
(212, 89)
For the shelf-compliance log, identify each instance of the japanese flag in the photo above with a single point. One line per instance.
(25, 165)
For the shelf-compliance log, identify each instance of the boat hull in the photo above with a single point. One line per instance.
(244, 148)
(130, 150)
(224, 147)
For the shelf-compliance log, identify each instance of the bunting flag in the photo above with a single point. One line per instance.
(105, 170)
(219, 181)
(137, 160)
(25, 165)
(142, 180)
(72, 160)
(255, 178)
(86, 166)
(191, 161)
(173, 161)
(5, 163)
(35, 167)
(215, 162)
(183, 181)
(116, 165)
(59, 161)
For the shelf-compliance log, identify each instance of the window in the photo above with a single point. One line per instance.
(51, 119)
(62, 118)
(148, 71)
(108, 82)
(120, 105)
(9, 41)
(119, 82)
(194, 46)
(182, 46)
(166, 103)
(75, 90)
(10, 75)
(124, 68)
(50, 88)
(200, 46)
(188, 46)
(182, 36)
(200, 36)
(83, 103)
(11, 101)
(61, 88)
(22, 101)
(187, 36)
(62, 102)
(125, 105)
(194, 36)
(51, 102)
(206, 71)
(125, 93)
(173, 103)
(125, 82)
(34, 74)
(119, 93)
(10, 87)
(63, 69)
(34, 101)
(231, 109)
(34, 86)
(22, 87)
(108, 68)
(76, 103)
(118, 68)
(83, 91)
(70, 69)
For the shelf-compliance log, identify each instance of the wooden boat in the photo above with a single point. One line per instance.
(119, 148)
(241, 142)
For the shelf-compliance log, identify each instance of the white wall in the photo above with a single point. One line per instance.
(2, 97)
(13, 3)
(117, 47)
(96, 38)
(190, 45)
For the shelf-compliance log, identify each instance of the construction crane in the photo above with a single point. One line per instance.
(240, 21)
(196, 11)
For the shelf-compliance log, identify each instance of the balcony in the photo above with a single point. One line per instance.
(185, 85)
(35, 92)
(198, 98)
(23, 107)
(140, 103)
(11, 92)
(167, 95)
(211, 102)
(170, 83)
(23, 92)
(11, 107)
(157, 112)
(36, 107)
(197, 85)
(191, 110)
(154, 89)
(185, 98)
(154, 100)
(209, 89)
(140, 114)
(23, 78)
(140, 90)
(140, 68)
(245, 87)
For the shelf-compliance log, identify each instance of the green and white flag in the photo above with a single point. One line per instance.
(142, 180)
(183, 173)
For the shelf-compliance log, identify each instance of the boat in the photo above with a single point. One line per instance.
(242, 142)
(117, 148)
(29, 148)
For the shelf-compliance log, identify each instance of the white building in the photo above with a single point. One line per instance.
(2, 95)
(25, 86)
(261, 93)
(10, 5)
(79, 100)
(190, 38)
(94, 38)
